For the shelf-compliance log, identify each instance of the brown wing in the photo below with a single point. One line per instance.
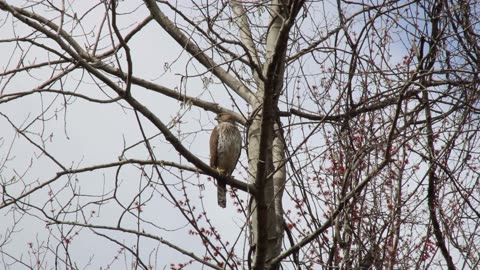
(213, 148)
(232, 156)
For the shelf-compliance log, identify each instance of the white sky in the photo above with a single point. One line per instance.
(87, 134)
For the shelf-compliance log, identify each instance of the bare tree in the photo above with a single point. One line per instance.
(360, 122)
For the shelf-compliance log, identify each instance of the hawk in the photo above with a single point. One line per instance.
(225, 148)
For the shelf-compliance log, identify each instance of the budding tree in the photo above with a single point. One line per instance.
(359, 119)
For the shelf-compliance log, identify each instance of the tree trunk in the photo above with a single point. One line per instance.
(266, 149)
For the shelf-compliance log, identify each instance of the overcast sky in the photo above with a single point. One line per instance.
(83, 134)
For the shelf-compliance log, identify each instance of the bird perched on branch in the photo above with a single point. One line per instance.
(225, 148)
